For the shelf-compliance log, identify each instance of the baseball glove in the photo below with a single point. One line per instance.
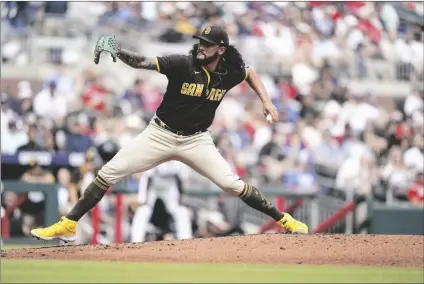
(106, 43)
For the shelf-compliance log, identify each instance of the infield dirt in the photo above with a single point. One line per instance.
(319, 249)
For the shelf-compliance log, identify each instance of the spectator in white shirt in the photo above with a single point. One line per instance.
(357, 173)
(389, 16)
(24, 90)
(395, 175)
(12, 139)
(331, 119)
(328, 151)
(282, 36)
(304, 74)
(387, 46)
(7, 114)
(358, 112)
(413, 102)
(50, 104)
(403, 50)
(309, 133)
(414, 157)
(352, 146)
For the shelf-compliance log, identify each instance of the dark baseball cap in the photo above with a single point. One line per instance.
(215, 35)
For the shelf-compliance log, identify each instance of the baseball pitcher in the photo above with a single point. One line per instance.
(164, 182)
(197, 83)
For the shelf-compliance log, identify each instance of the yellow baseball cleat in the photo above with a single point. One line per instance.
(64, 230)
(292, 225)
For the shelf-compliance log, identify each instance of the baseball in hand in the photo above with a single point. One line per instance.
(269, 119)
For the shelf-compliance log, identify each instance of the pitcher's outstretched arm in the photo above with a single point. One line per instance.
(137, 60)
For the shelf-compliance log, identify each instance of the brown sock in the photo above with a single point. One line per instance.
(254, 198)
(92, 195)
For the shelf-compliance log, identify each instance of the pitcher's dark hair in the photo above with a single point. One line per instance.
(231, 56)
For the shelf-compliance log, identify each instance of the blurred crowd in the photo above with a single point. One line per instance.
(327, 137)
(326, 133)
(321, 120)
(311, 33)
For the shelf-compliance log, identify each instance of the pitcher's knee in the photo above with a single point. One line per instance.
(232, 185)
(111, 173)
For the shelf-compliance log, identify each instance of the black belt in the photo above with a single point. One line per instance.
(183, 133)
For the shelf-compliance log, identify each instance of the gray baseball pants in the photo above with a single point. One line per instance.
(155, 145)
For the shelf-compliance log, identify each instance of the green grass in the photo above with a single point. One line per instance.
(48, 271)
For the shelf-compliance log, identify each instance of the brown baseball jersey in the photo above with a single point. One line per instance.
(194, 93)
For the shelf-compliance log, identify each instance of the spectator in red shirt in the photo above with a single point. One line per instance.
(416, 190)
(95, 96)
(288, 89)
(367, 27)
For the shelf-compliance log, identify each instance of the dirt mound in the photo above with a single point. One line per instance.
(373, 250)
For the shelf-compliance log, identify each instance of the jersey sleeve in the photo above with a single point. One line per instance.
(239, 76)
(171, 65)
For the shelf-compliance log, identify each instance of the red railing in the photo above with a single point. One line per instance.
(280, 204)
(96, 220)
(5, 220)
(339, 214)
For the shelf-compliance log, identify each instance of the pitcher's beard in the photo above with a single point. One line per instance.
(206, 61)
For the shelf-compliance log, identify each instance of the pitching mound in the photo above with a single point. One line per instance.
(363, 250)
